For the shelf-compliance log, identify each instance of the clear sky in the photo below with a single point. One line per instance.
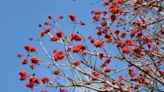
(18, 22)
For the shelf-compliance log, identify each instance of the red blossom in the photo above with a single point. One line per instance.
(58, 55)
(103, 64)
(34, 80)
(42, 34)
(113, 17)
(20, 55)
(103, 23)
(72, 17)
(24, 61)
(82, 23)
(47, 30)
(62, 90)
(54, 38)
(30, 85)
(96, 18)
(117, 32)
(129, 43)
(122, 80)
(75, 37)
(119, 1)
(59, 34)
(27, 47)
(98, 44)
(131, 72)
(107, 70)
(105, 3)
(91, 39)
(94, 73)
(32, 66)
(107, 60)
(23, 75)
(45, 80)
(120, 44)
(32, 49)
(43, 91)
(76, 63)
(60, 17)
(34, 60)
(100, 55)
(123, 34)
(78, 48)
(125, 50)
(56, 72)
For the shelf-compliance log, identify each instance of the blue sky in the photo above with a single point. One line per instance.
(18, 22)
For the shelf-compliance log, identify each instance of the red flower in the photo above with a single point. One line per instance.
(94, 73)
(43, 91)
(109, 40)
(119, 1)
(34, 60)
(82, 22)
(106, 3)
(60, 17)
(24, 61)
(22, 78)
(122, 80)
(131, 72)
(30, 85)
(62, 90)
(58, 55)
(23, 73)
(59, 34)
(68, 49)
(129, 43)
(75, 37)
(32, 66)
(123, 34)
(107, 69)
(46, 23)
(20, 55)
(27, 47)
(55, 38)
(103, 64)
(120, 44)
(98, 44)
(117, 32)
(103, 23)
(32, 49)
(91, 39)
(107, 60)
(101, 55)
(47, 30)
(96, 18)
(76, 63)
(56, 72)
(45, 80)
(78, 48)
(113, 17)
(42, 34)
(125, 50)
(34, 80)
(72, 17)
